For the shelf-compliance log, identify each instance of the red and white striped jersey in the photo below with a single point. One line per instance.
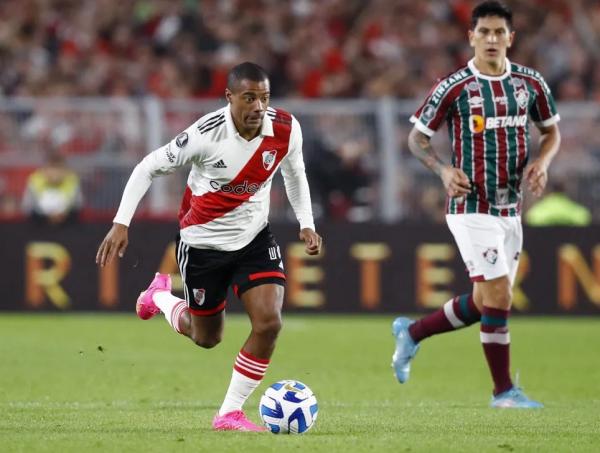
(226, 202)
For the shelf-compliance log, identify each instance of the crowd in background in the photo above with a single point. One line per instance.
(124, 50)
(311, 48)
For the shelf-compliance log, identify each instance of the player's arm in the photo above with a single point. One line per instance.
(454, 179)
(165, 160)
(536, 173)
(298, 192)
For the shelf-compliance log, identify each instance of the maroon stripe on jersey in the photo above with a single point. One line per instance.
(541, 102)
(501, 144)
(213, 205)
(458, 152)
(445, 103)
(478, 158)
(521, 146)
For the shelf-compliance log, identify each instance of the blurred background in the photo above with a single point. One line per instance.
(88, 87)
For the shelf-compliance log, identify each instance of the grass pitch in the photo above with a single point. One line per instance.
(73, 383)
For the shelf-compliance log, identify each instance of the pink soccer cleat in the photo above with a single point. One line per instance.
(145, 306)
(235, 421)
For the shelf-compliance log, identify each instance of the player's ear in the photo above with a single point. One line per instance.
(471, 34)
(511, 38)
(228, 94)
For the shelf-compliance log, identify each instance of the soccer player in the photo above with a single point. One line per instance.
(486, 105)
(224, 236)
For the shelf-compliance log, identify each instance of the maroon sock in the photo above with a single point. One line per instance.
(455, 314)
(495, 339)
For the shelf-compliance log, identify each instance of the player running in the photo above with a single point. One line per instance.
(224, 237)
(486, 105)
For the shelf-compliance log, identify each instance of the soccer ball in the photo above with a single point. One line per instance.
(288, 407)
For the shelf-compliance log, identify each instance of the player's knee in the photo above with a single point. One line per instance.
(268, 327)
(206, 341)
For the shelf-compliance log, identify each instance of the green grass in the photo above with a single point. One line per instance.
(75, 383)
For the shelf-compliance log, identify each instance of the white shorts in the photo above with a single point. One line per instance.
(489, 245)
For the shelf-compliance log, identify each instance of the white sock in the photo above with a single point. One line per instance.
(248, 372)
(171, 306)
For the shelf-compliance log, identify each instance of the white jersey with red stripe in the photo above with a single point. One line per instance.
(226, 202)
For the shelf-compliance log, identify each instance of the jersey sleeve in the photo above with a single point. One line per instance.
(294, 178)
(433, 111)
(185, 148)
(543, 111)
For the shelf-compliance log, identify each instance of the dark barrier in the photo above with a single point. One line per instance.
(365, 268)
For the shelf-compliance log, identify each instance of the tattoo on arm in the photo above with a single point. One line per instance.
(420, 146)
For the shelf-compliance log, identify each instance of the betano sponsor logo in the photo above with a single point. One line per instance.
(238, 189)
(478, 123)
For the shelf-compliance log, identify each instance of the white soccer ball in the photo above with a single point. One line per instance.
(288, 407)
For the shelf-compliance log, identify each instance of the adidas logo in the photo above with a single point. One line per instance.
(220, 164)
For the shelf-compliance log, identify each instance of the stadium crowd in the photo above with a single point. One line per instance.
(311, 48)
(125, 50)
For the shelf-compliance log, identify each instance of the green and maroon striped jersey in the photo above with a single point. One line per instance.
(487, 120)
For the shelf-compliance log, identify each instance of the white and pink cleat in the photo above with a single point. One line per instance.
(145, 306)
(235, 421)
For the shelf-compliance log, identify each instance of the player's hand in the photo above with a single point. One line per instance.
(536, 175)
(312, 241)
(114, 243)
(455, 181)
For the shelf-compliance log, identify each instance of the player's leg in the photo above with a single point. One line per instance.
(457, 313)
(258, 282)
(495, 336)
(199, 315)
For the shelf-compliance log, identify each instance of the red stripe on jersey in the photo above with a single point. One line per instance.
(259, 275)
(213, 205)
(185, 203)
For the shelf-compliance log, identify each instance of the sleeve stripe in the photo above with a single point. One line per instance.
(550, 121)
(421, 127)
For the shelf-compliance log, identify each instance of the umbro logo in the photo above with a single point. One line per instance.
(220, 164)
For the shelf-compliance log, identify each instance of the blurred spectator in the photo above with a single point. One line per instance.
(557, 209)
(53, 194)
(341, 183)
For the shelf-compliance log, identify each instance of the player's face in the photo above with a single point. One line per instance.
(249, 101)
(491, 38)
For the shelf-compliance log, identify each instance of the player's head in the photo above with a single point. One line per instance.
(491, 31)
(248, 92)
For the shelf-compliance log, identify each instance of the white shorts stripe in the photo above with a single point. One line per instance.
(451, 316)
(182, 255)
(499, 338)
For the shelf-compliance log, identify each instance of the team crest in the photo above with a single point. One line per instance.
(199, 295)
(473, 86)
(268, 158)
(181, 139)
(491, 255)
(522, 98)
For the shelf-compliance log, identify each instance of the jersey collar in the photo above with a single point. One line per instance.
(265, 131)
(479, 75)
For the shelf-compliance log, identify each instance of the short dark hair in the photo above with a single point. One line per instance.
(245, 71)
(491, 8)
